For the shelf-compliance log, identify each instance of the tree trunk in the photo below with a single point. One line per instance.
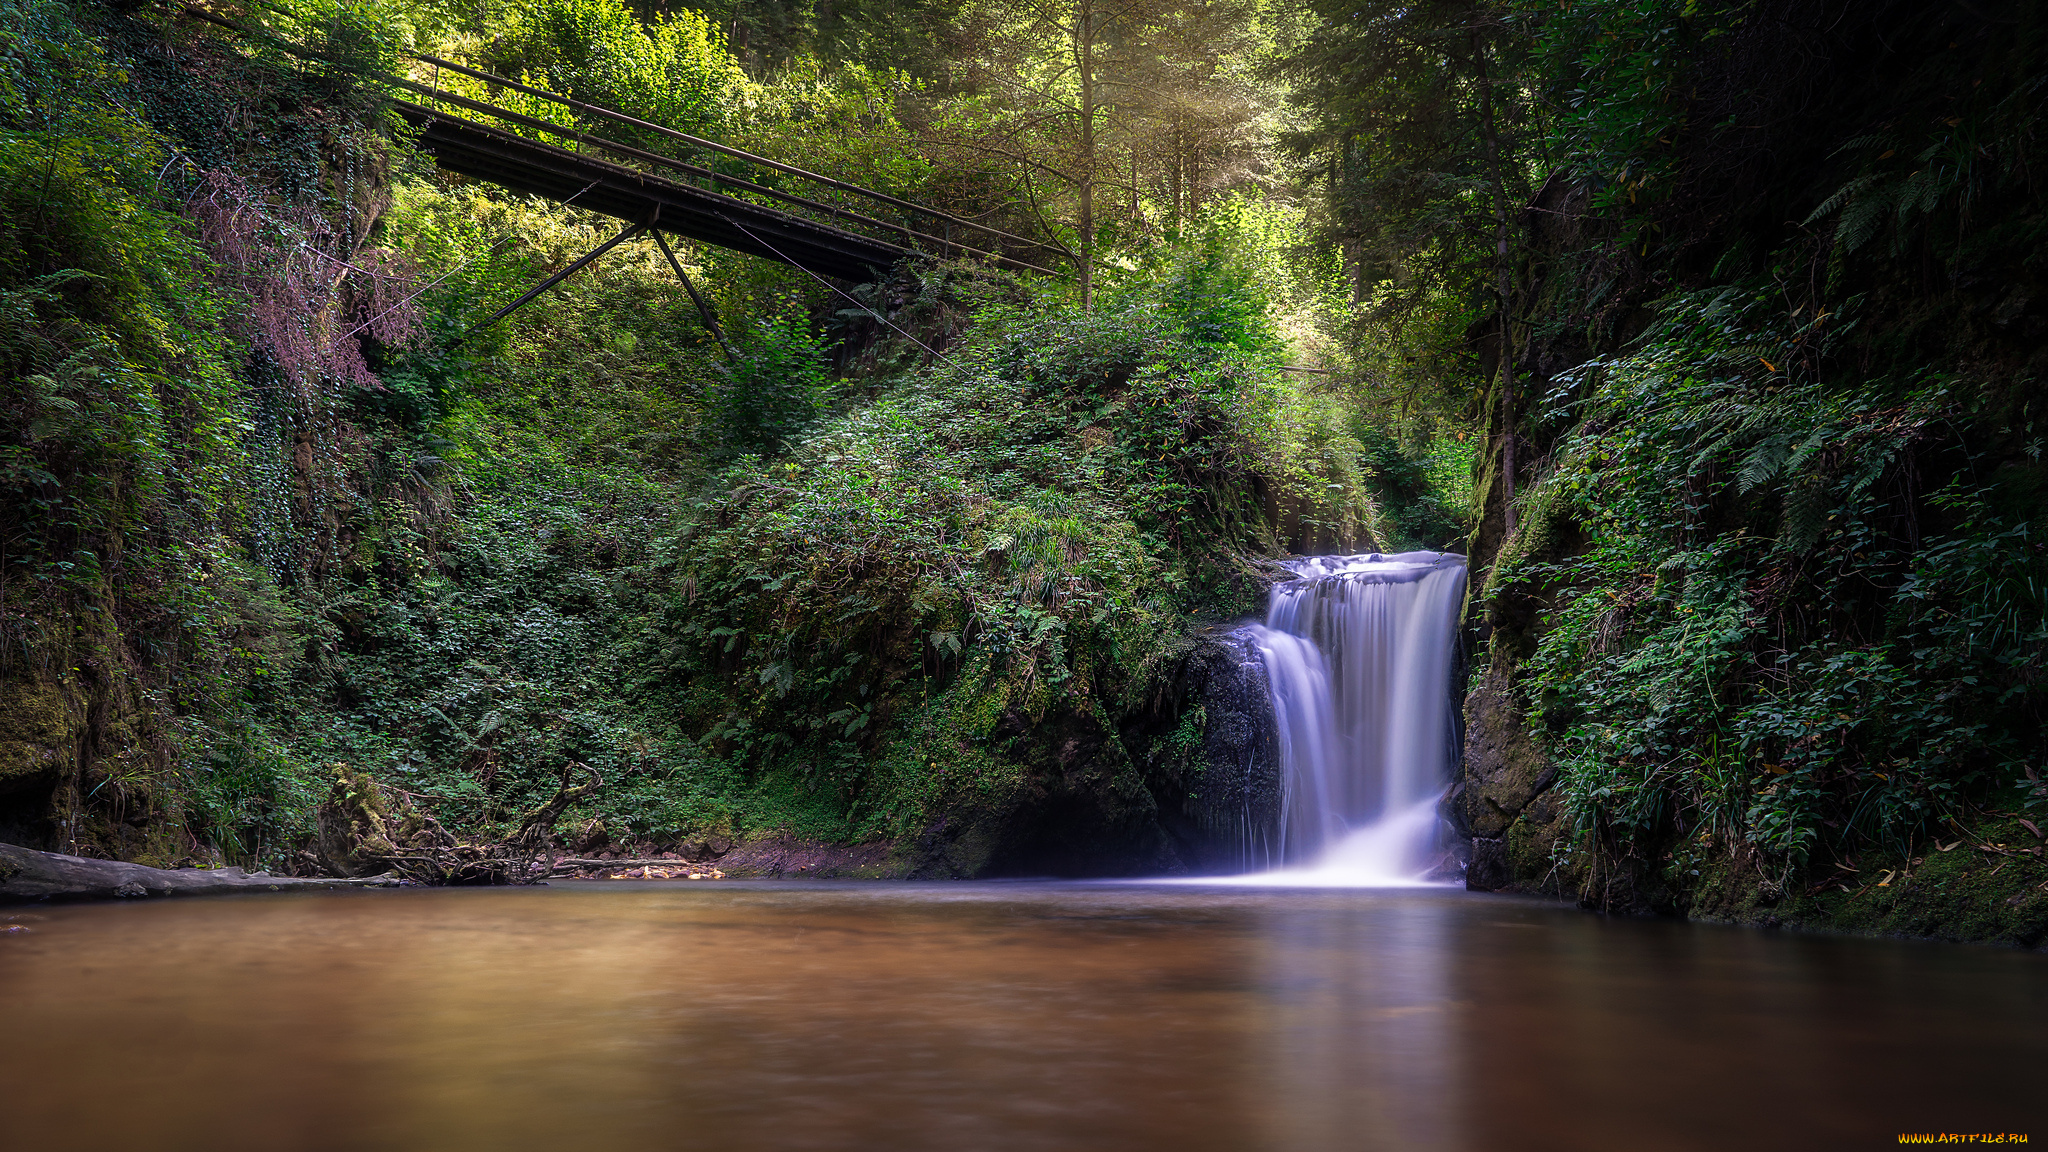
(1137, 220)
(27, 875)
(1489, 135)
(1173, 172)
(1084, 43)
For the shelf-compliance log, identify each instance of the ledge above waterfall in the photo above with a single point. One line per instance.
(1374, 567)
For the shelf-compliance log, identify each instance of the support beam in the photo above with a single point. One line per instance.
(630, 231)
(714, 146)
(703, 306)
(849, 299)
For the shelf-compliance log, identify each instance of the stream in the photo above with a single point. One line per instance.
(854, 1015)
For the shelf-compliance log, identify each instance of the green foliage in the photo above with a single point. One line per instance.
(610, 367)
(1416, 136)
(122, 425)
(118, 373)
(843, 122)
(850, 626)
(508, 538)
(348, 39)
(1216, 296)
(475, 679)
(255, 804)
(1663, 109)
(1758, 638)
(847, 635)
(747, 594)
(675, 71)
(1407, 157)
(148, 307)
(1931, 186)
(1425, 496)
(1615, 75)
(773, 35)
(772, 391)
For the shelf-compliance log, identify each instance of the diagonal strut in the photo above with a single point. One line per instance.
(703, 306)
(631, 230)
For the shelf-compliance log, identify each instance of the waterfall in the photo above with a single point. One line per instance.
(1358, 657)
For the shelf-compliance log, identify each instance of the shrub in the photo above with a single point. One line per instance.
(772, 391)
(675, 71)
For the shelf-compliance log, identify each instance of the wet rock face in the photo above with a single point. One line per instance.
(788, 857)
(38, 738)
(1085, 802)
(1191, 786)
(1506, 799)
(1231, 804)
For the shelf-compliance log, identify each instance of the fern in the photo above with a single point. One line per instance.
(1842, 195)
(1805, 516)
(1765, 463)
(1862, 219)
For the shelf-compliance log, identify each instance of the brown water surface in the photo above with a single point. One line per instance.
(739, 1015)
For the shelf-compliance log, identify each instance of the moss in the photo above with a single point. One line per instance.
(1534, 848)
(1712, 884)
(163, 846)
(36, 731)
(1543, 523)
(1510, 802)
(1991, 887)
(354, 823)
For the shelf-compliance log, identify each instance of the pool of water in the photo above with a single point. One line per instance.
(754, 1015)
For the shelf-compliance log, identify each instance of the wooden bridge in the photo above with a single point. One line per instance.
(638, 198)
(664, 193)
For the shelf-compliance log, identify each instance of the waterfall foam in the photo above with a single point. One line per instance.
(1358, 655)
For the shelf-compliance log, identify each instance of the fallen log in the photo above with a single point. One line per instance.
(28, 876)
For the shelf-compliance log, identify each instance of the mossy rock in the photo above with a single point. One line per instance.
(1505, 770)
(1991, 887)
(354, 836)
(36, 732)
(1536, 841)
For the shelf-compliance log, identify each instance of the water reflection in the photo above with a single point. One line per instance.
(1362, 1034)
(883, 1016)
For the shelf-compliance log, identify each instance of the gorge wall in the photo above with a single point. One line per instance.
(1765, 640)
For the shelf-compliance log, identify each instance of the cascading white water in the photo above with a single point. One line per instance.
(1358, 656)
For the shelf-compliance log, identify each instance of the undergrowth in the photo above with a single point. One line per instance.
(1766, 637)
